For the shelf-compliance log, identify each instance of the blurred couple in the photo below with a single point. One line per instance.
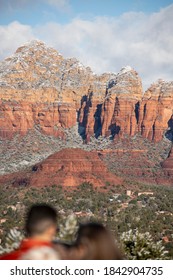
(93, 241)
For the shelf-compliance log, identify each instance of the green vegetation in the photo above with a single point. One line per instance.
(151, 212)
(141, 246)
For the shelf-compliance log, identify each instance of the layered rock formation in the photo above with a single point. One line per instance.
(68, 167)
(50, 119)
(120, 109)
(156, 109)
(39, 89)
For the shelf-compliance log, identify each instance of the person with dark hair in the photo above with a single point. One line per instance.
(95, 242)
(41, 222)
(40, 228)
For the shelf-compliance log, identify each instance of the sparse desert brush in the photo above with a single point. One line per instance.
(141, 246)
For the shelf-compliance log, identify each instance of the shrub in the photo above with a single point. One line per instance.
(141, 246)
(12, 241)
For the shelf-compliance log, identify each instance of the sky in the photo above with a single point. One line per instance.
(103, 34)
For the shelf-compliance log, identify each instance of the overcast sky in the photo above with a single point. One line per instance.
(103, 34)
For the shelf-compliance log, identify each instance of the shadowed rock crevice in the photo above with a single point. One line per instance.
(145, 108)
(83, 115)
(98, 123)
(153, 131)
(115, 130)
(137, 108)
(169, 132)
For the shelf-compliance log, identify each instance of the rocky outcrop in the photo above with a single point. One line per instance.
(155, 112)
(120, 109)
(49, 119)
(68, 168)
(39, 89)
(38, 73)
(91, 107)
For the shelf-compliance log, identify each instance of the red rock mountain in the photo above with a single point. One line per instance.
(39, 88)
(44, 94)
(69, 167)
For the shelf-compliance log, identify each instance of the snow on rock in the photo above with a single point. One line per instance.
(125, 70)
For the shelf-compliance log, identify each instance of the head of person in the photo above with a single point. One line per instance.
(41, 222)
(95, 242)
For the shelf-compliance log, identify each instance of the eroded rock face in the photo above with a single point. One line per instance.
(39, 89)
(120, 109)
(156, 109)
(50, 119)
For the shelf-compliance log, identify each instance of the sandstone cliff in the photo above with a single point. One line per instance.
(50, 119)
(120, 109)
(39, 89)
(156, 109)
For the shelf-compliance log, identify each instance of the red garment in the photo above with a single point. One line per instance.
(25, 245)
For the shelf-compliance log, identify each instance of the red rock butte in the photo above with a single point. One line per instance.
(72, 167)
(68, 167)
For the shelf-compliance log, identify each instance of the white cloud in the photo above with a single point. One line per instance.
(106, 44)
(12, 36)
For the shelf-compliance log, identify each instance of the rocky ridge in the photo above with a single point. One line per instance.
(38, 87)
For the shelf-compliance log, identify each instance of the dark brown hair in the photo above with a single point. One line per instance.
(98, 242)
(39, 218)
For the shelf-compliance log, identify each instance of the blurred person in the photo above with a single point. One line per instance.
(41, 253)
(64, 249)
(94, 242)
(40, 228)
